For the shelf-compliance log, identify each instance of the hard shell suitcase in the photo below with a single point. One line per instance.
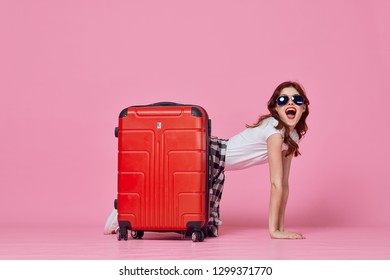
(163, 170)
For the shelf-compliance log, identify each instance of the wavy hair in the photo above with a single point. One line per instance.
(301, 127)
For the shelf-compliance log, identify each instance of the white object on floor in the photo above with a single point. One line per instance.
(111, 225)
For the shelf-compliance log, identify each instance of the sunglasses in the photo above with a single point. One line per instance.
(283, 100)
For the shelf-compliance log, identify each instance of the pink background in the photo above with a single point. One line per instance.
(67, 68)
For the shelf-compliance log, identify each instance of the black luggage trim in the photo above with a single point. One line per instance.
(123, 113)
(124, 225)
(194, 226)
(196, 112)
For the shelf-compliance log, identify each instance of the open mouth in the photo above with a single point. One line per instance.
(291, 112)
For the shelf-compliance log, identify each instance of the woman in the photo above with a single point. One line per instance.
(274, 139)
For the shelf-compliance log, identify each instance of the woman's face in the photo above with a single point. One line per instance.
(290, 113)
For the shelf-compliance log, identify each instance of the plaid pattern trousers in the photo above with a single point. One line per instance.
(217, 158)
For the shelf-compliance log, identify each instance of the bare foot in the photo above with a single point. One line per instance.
(286, 235)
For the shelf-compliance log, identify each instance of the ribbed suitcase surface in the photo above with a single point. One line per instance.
(163, 168)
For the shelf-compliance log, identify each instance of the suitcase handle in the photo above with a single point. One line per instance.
(166, 104)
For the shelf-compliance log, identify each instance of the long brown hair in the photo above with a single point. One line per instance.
(301, 127)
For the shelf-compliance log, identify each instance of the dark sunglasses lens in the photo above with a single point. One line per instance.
(282, 100)
(298, 100)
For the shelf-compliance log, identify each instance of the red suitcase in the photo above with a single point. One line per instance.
(163, 169)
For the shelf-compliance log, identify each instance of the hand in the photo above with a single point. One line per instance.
(286, 235)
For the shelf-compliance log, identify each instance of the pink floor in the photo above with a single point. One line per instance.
(234, 243)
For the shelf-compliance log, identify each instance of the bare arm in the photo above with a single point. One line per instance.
(286, 163)
(279, 167)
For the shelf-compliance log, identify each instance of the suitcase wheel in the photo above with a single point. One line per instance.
(137, 234)
(197, 236)
(121, 236)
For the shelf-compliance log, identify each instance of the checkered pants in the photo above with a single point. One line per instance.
(217, 158)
